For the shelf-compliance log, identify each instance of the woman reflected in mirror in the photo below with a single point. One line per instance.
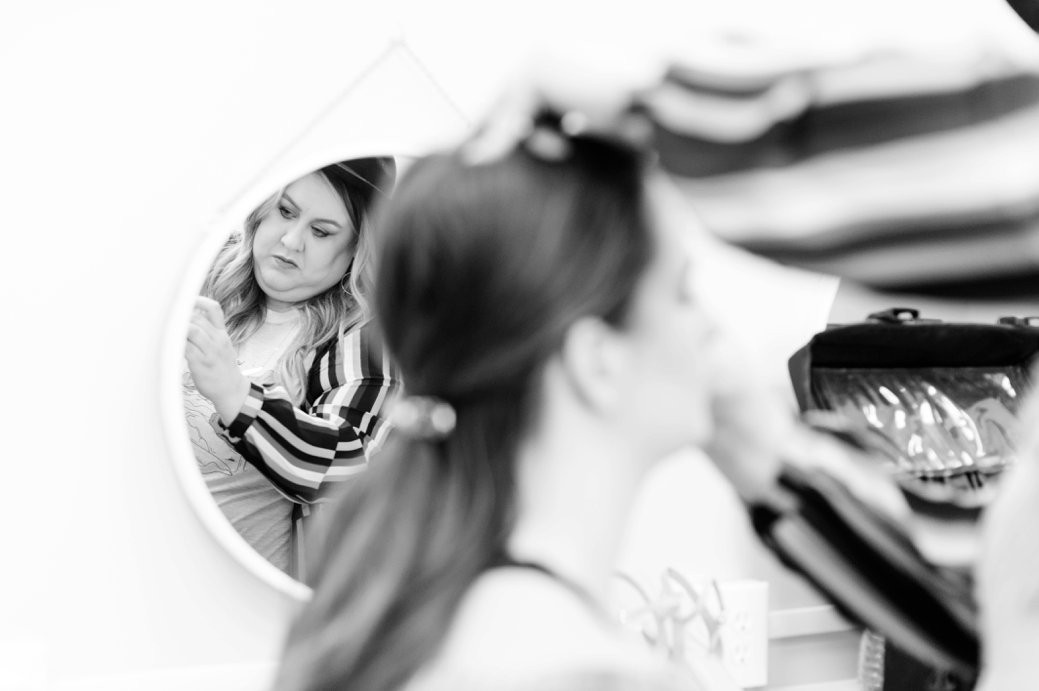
(285, 381)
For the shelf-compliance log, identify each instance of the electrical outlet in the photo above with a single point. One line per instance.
(744, 631)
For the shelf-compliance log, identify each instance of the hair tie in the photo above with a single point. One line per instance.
(423, 417)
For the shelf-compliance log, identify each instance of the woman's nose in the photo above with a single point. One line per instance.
(292, 239)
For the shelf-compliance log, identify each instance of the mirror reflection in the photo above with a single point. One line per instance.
(284, 383)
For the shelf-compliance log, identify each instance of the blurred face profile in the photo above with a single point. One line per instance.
(303, 246)
(673, 340)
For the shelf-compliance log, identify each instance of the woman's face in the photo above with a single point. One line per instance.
(673, 340)
(304, 245)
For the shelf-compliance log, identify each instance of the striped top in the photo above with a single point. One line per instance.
(309, 450)
(866, 154)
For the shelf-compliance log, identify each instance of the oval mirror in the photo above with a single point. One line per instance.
(290, 246)
(375, 117)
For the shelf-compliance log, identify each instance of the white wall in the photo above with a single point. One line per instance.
(126, 132)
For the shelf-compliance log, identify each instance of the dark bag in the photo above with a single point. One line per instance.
(938, 400)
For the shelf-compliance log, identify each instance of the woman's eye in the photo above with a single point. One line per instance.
(321, 233)
(285, 211)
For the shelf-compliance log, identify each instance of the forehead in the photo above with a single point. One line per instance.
(316, 197)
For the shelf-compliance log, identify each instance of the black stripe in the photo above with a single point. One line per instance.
(293, 490)
(318, 437)
(939, 606)
(1010, 286)
(852, 125)
(868, 234)
(366, 348)
(367, 395)
(324, 356)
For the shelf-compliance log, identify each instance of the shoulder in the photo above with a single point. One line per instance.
(361, 341)
(356, 353)
(364, 347)
(520, 625)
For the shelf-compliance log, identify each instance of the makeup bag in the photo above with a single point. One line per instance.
(936, 403)
(938, 400)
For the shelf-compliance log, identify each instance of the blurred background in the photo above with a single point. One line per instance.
(133, 134)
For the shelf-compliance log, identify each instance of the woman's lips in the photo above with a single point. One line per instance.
(284, 262)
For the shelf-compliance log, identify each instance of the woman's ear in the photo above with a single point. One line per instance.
(594, 361)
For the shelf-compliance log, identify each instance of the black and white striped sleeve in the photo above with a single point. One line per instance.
(306, 451)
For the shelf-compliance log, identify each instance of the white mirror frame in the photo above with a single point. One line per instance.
(373, 116)
(171, 363)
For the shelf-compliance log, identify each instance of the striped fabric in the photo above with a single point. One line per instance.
(869, 569)
(898, 168)
(307, 451)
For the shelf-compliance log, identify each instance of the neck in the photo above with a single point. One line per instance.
(575, 491)
(275, 305)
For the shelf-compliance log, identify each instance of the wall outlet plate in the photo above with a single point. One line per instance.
(744, 631)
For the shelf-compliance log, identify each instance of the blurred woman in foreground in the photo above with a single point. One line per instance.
(540, 305)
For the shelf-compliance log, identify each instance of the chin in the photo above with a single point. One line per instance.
(274, 286)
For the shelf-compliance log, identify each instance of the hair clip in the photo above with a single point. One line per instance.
(544, 132)
(423, 417)
(550, 133)
(573, 123)
(547, 144)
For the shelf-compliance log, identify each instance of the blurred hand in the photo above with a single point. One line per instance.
(212, 360)
(757, 432)
(593, 97)
(752, 424)
(1007, 575)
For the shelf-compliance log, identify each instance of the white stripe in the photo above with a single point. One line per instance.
(349, 445)
(385, 388)
(278, 463)
(380, 436)
(341, 396)
(352, 356)
(253, 402)
(348, 393)
(279, 391)
(291, 439)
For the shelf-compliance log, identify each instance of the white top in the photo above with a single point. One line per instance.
(519, 630)
(258, 511)
(259, 354)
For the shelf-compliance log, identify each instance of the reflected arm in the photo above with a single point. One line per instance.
(308, 451)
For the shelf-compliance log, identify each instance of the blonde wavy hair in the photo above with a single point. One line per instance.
(232, 281)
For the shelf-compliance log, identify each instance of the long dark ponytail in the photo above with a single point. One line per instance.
(480, 270)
